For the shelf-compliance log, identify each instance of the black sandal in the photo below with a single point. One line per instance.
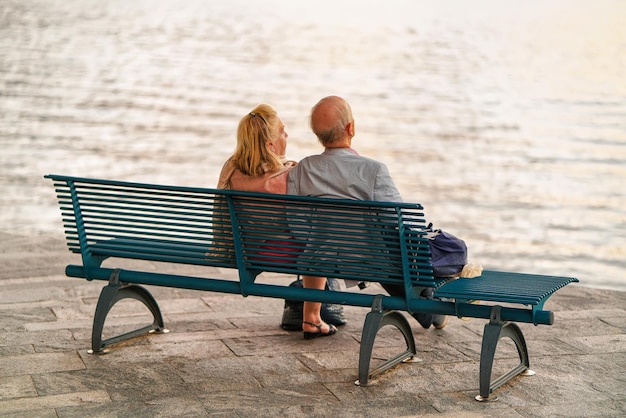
(311, 335)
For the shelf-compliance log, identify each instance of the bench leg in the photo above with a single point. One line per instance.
(374, 321)
(495, 330)
(109, 296)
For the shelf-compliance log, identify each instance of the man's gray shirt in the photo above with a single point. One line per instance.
(342, 173)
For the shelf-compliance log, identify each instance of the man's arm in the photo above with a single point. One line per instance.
(385, 189)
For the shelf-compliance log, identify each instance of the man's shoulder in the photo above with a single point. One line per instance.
(371, 160)
(368, 163)
(336, 157)
(347, 154)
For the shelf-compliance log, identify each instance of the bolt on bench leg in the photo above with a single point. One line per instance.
(495, 330)
(109, 296)
(374, 321)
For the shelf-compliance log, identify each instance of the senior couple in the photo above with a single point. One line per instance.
(259, 164)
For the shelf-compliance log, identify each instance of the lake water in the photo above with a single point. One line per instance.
(507, 120)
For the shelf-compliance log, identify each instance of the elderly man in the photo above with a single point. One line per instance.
(340, 172)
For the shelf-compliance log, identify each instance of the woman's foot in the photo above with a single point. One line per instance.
(319, 333)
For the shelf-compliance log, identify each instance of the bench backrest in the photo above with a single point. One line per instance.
(347, 239)
(254, 232)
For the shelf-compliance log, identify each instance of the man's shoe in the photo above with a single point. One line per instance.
(440, 321)
(424, 319)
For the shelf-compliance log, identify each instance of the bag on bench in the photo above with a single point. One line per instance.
(449, 253)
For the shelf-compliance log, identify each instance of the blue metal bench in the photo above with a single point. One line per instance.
(345, 239)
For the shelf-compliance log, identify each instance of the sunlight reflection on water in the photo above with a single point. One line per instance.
(507, 121)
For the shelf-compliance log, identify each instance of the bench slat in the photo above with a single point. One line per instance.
(505, 287)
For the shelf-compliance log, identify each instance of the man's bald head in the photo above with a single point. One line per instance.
(332, 121)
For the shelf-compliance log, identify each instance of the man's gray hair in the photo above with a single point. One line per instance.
(336, 131)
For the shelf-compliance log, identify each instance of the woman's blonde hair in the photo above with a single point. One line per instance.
(256, 131)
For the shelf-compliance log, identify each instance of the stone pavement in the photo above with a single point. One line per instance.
(226, 356)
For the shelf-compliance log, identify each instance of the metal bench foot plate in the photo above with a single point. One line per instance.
(374, 321)
(494, 331)
(109, 296)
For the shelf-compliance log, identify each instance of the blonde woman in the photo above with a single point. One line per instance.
(259, 165)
